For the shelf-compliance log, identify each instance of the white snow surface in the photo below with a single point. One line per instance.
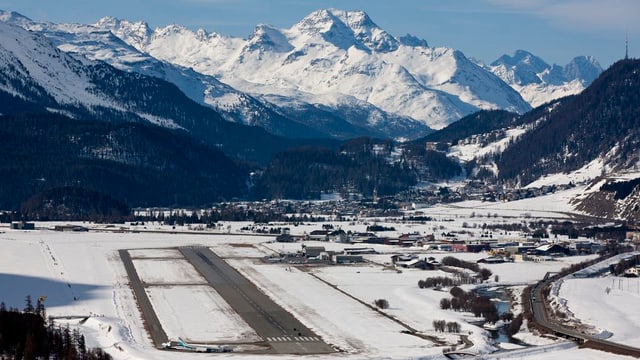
(333, 301)
(336, 52)
(539, 94)
(602, 302)
(167, 271)
(59, 74)
(205, 318)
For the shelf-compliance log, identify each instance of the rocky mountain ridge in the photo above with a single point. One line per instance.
(539, 82)
(334, 57)
(335, 73)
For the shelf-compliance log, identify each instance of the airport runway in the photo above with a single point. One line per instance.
(281, 330)
(152, 323)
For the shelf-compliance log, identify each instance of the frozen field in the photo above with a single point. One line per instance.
(204, 318)
(607, 304)
(167, 271)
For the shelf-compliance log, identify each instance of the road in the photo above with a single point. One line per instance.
(281, 330)
(539, 310)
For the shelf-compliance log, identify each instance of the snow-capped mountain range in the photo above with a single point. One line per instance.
(335, 73)
(89, 42)
(53, 77)
(333, 57)
(37, 77)
(539, 82)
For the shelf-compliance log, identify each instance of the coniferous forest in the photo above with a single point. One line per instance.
(577, 129)
(305, 173)
(26, 334)
(137, 164)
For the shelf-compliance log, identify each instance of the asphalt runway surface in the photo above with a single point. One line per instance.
(282, 331)
(152, 323)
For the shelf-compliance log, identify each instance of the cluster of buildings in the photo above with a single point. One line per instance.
(498, 250)
(309, 254)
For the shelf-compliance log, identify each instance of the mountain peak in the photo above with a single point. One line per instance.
(355, 19)
(171, 30)
(522, 68)
(538, 82)
(322, 20)
(11, 16)
(15, 18)
(136, 34)
(328, 23)
(585, 68)
(112, 23)
(266, 37)
(413, 41)
(522, 58)
(347, 28)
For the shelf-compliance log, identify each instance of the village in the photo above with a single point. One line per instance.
(497, 245)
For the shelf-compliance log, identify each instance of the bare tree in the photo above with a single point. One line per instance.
(445, 304)
(453, 327)
(381, 303)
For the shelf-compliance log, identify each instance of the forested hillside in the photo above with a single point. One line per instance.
(26, 335)
(73, 203)
(481, 122)
(137, 164)
(361, 166)
(305, 173)
(603, 120)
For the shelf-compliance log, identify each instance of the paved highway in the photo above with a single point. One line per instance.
(281, 330)
(539, 310)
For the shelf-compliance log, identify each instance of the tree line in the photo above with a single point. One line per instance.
(26, 334)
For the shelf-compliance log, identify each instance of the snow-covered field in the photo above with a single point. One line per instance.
(205, 318)
(81, 274)
(602, 304)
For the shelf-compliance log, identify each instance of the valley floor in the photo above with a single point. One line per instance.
(81, 274)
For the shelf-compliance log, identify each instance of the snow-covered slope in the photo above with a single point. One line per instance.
(87, 41)
(539, 82)
(50, 77)
(347, 118)
(335, 73)
(32, 59)
(329, 55)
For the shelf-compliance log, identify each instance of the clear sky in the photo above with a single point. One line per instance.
(555, 30)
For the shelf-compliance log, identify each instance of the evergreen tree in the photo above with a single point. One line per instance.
(28, 305)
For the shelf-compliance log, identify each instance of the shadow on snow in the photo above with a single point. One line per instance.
(14, 289)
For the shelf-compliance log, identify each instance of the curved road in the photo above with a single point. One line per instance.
(539, 311)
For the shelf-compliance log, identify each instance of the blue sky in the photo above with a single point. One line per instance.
(555, 30)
